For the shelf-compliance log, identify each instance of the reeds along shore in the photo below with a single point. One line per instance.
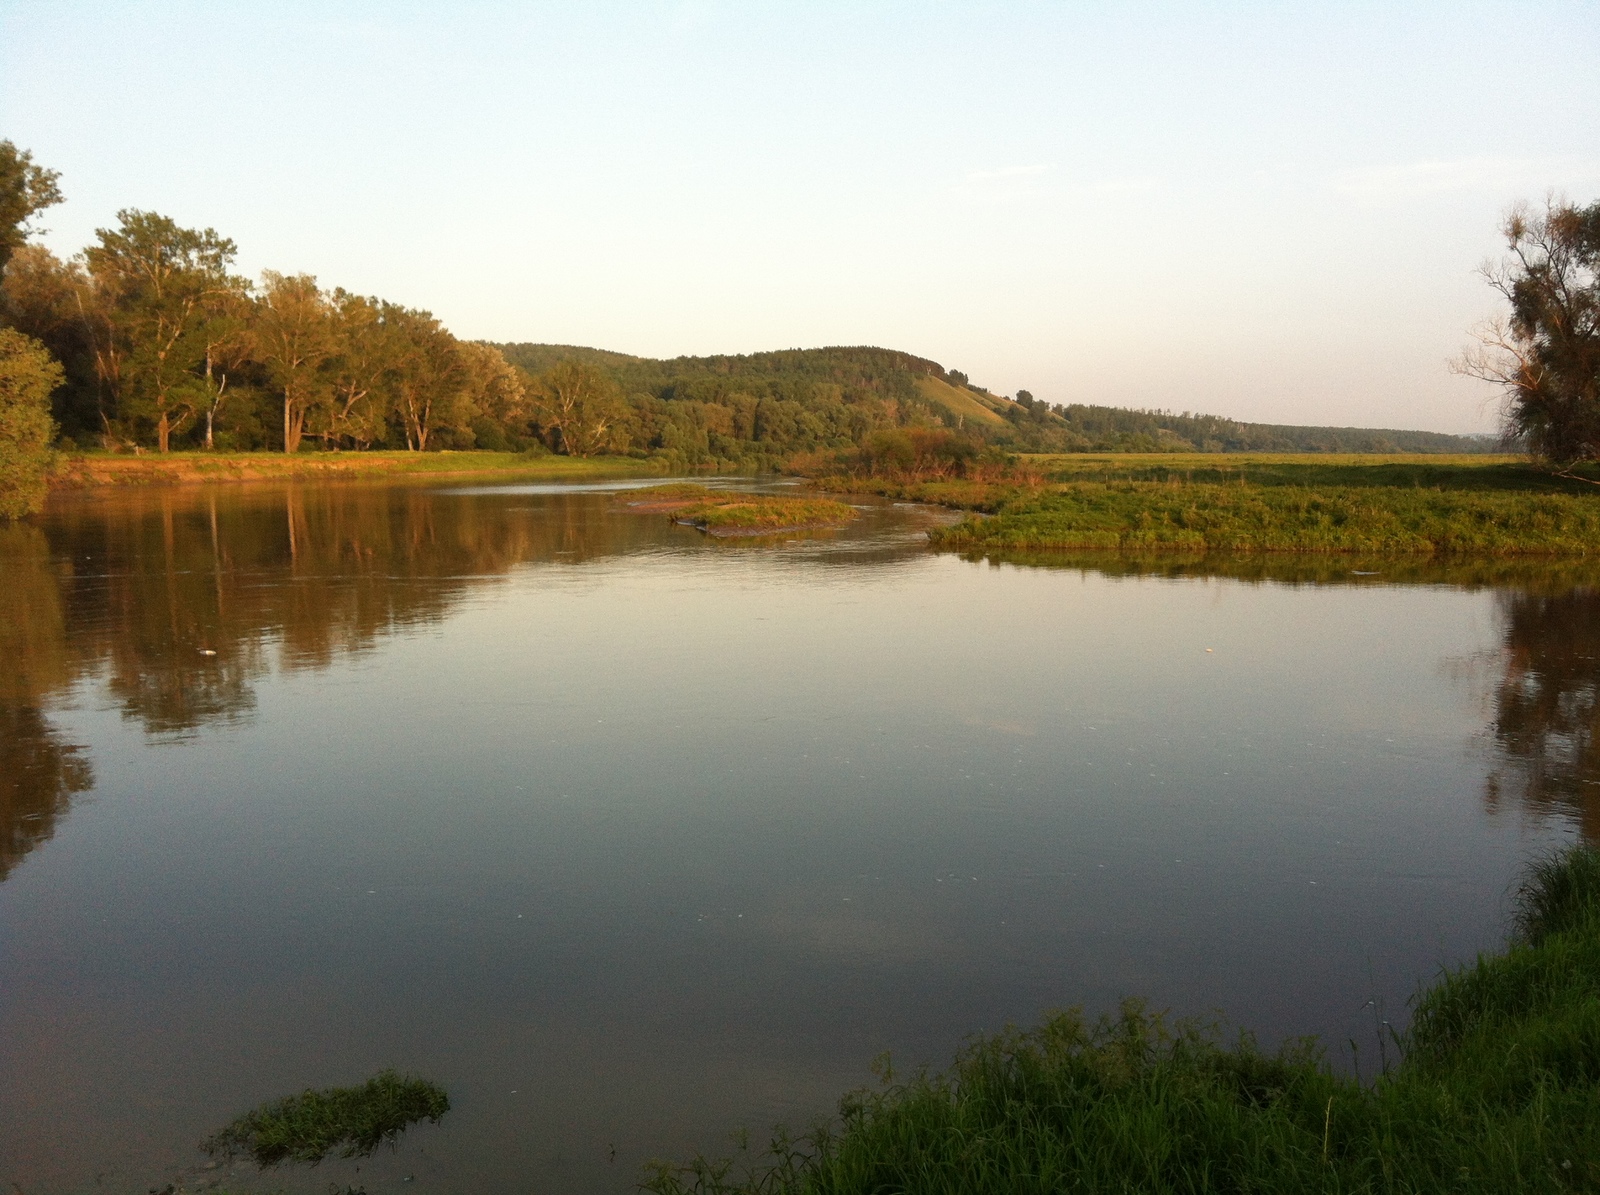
(1496, 1089)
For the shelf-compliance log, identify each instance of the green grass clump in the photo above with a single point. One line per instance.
(1241, 517)
(745, 512)
(729, 512)
(1497, 1090)
(353, 1120)
(674, 491)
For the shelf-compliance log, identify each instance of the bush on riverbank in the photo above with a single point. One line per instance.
(27, 375)
(1498, 1090)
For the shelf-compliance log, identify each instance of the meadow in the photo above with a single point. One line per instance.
(1380, 506)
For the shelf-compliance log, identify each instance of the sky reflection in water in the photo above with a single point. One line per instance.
(629, 837)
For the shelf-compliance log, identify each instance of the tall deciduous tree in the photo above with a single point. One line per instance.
(28, 373)
(40, 297)
(497, 393)
(1545, 353)
(428, 381)
(225, 336)
(363, 354)
(294, 338)
(25, 190)
(579, 406)
(161, 283)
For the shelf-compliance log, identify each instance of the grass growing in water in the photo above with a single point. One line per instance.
(1498, 1090)
(353, 1120)
(727, 512)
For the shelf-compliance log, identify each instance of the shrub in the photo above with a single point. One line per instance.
(28, 375)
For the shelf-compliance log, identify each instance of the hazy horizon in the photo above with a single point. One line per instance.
(1271, 216)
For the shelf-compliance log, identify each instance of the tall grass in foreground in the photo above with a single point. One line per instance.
(1498, 1090)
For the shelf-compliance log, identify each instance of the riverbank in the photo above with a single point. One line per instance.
(97, 470)
(1495, 1088)
(1381, 506)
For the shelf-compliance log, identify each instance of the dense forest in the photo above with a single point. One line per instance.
(158, 343)
(772, 405)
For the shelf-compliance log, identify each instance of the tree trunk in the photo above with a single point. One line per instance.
(163, 432)
(294, 425)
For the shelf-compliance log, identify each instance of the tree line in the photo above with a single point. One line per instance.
(151, 339)
(162, 344)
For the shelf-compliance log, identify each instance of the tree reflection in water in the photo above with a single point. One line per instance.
(1547, 706)
(180, 600)
(39, 771)
(39, 774)
(1547, 698)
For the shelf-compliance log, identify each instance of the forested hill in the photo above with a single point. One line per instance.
(859, 370)
(1115, 429)
(776, 403)
(207, 360)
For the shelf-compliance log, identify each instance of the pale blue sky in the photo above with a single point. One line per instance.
(1264, 211)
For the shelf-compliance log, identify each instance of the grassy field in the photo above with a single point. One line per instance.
(1379, 506)
(1496, 1089)
(1427, 470)
(727, 512)
(180, 468)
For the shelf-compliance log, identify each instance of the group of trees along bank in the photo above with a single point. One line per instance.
(151, 339)
(163, 345)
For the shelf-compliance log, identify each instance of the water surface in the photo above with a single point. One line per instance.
(629, 837)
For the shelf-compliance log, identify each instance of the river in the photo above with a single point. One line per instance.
(630, 838)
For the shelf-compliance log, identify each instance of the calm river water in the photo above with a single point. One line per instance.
(630, 838)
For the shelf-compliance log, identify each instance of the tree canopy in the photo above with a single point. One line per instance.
(26, 189)
(1544, 351)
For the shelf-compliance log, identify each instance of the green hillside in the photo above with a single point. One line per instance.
(761, 408)
(961, 402)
